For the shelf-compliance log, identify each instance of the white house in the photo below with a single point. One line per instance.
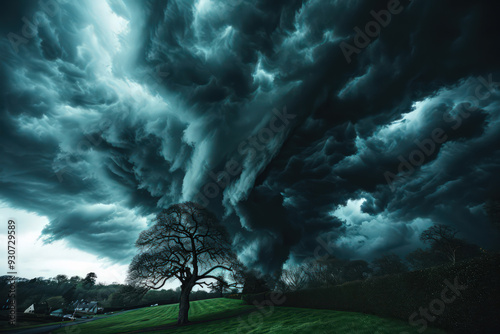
(30, 309)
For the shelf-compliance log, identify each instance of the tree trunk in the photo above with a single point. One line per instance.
(184, 305)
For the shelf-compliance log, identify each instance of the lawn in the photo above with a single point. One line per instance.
(236, 317)
(137, 320)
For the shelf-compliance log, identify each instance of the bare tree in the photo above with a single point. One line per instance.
(220, 285)
(442, 239)
(186, 243)
(293, 279)
(328, 271)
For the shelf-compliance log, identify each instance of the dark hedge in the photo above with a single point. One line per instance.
(475, 309)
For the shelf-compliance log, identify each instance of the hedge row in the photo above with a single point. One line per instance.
(464, 298)
(233, 295)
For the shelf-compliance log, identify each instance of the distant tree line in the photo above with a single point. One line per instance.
(49, 294)
(444, 247)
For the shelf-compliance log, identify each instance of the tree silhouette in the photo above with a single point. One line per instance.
(388, 264)
(220, 285)
(327, 271)
(89, 280)
(75, 279)
(442, 239)
(186, 243)
(61, 279)
(293, 279)
(254, 282)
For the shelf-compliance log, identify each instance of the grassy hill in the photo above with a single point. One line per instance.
(233, 316)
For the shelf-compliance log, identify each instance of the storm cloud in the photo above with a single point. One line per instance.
(112, 110)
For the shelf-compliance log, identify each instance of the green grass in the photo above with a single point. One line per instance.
(147, 317)
(288, 320)
(239, 318)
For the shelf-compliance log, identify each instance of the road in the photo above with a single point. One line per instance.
(50, 328)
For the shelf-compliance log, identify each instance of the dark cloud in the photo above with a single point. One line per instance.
(114, 110)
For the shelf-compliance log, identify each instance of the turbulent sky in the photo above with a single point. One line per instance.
(300, 123)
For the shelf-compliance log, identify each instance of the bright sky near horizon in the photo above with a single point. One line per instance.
(38, 259)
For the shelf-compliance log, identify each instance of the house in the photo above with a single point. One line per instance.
(85, 308)
(30, 309)
(38, 308)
